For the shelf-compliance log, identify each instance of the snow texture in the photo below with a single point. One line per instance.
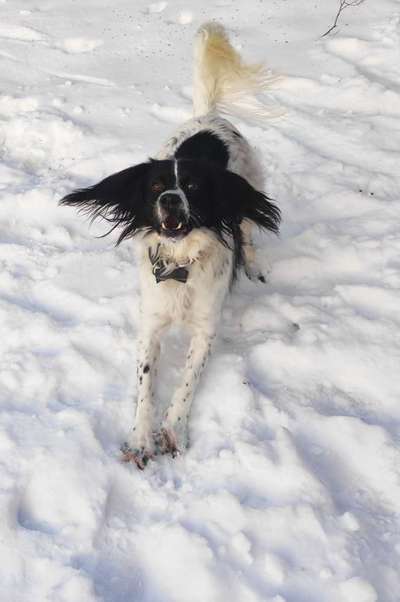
(290, 491)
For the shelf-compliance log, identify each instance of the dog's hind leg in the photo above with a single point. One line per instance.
(173, 435)
(251, 266)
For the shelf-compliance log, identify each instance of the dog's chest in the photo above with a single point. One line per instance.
(199, 298)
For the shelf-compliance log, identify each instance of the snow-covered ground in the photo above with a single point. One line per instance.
(290, 490)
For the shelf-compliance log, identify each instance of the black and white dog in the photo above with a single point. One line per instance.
(192, 210)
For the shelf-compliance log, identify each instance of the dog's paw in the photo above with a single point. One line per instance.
(166, 442)
(139, 456)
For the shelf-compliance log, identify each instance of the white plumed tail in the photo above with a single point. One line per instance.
(222, 82)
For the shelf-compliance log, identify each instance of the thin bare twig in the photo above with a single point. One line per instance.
(342, 5)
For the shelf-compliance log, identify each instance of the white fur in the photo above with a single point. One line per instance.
(219, 76)
(196, 305)
(223, 82)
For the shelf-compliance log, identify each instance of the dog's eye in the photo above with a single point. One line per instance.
(191, 185)
(157, 187)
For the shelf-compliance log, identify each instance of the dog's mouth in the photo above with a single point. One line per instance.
(174, 226)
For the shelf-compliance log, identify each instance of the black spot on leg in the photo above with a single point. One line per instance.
(146, 369)
(140, 379)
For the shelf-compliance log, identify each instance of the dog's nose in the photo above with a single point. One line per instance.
(170, 201)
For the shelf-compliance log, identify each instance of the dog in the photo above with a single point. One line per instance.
(192, 209)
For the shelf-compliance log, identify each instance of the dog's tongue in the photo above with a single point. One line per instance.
(171, 222)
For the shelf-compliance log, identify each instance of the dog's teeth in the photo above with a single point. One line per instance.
(179, 226)
(163, 226)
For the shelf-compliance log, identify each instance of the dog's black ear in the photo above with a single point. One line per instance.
(238, 200)
(119, 199)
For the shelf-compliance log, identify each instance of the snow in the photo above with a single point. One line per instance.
(290, 491)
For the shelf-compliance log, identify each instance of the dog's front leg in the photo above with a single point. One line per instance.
(173, 434)
(140, 447)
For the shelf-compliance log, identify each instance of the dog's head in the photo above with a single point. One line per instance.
(173, 197)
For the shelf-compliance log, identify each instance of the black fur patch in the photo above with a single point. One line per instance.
(120, 199)
(204, 146)
(218, 199)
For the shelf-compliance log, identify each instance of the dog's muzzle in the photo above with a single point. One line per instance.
(172, 212)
